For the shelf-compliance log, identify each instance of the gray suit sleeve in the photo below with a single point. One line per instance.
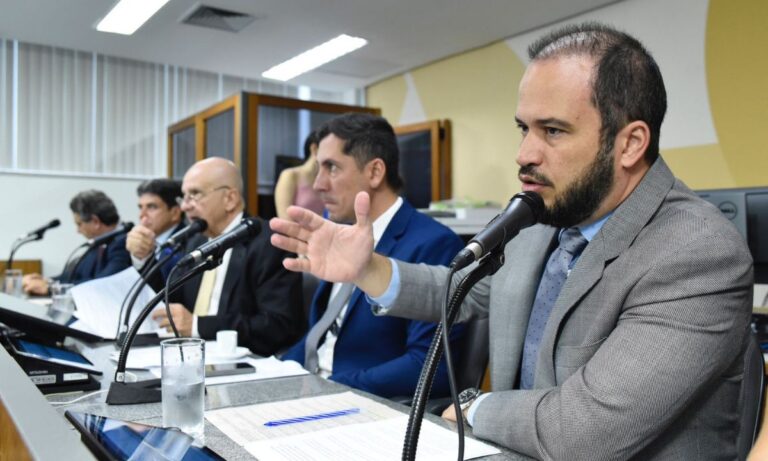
(422, 293)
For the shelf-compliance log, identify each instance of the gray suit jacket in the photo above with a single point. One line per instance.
(642, 355)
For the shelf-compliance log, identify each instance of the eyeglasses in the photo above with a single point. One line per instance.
(197, 195)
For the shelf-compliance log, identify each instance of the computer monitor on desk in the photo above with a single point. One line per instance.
(747, 208)
(37, 321)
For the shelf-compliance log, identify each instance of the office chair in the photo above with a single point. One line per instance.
(751, 396)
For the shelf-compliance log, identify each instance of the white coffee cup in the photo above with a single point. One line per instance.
(227, 342)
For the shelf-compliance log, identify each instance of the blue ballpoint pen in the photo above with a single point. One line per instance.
(303, 419)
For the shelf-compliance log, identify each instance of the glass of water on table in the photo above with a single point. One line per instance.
(183, 385)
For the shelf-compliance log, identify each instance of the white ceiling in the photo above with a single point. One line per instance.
(402, 34)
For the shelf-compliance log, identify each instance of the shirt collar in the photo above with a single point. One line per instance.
(160, 239)
(381, 223)
(590, 230)
(232, 224)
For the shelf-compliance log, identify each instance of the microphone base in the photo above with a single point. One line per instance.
(145, 339)
(130, 393)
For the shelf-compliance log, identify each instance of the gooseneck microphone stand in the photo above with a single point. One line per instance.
(123, 393)
(133, 293)
(16, 245)
(486, 266)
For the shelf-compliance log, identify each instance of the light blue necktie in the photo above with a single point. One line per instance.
(572, 243)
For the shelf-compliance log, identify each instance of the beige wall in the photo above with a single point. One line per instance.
(714, 60)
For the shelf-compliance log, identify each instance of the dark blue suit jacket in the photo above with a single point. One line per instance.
(100, 262)
(384, 355)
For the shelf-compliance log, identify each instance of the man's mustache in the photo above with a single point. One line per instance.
(530, 171)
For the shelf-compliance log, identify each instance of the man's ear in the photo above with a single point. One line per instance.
(631, 142)
(176, 214)
(231, 199)
(376, 172)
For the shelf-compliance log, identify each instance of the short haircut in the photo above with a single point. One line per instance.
(367, 137)
(626, 84)
(167, 189)
(90, 203)
(311, 139)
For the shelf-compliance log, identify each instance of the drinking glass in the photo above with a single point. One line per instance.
(12, 282)
(183, 385)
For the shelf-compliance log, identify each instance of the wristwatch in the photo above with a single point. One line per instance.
(466, 398)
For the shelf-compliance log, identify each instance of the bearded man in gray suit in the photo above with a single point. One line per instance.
(639, 352)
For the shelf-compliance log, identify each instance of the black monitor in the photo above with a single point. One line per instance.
(39, 321)
(747, 208)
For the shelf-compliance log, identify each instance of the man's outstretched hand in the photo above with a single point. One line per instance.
(331, 251)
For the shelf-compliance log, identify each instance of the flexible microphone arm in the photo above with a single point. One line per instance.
(122, 393)
(70, 266)
(146, 274)
(16, 245)
(491, 263)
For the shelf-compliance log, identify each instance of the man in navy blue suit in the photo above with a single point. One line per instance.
(160, 216)
(94, 214)
(346, 342)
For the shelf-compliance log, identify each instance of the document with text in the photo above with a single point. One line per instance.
(98, 303)
(336, 427)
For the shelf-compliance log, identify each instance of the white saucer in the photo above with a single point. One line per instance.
(240, 352)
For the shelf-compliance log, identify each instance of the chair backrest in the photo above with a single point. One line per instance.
(751, 396)
(474, 355)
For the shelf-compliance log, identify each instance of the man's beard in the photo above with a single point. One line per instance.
(582, 198)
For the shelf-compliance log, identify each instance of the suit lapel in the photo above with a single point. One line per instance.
(515, 286)
(234, 274)
(616, 235)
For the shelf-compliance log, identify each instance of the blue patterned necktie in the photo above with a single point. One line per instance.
(572, 243)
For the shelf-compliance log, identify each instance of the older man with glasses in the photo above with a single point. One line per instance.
(250, 291)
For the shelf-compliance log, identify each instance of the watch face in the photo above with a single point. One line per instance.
(468, 395)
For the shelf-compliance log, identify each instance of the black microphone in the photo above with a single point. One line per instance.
(195, 227)
(38, 233)
(524, 210)
(123, 228)
(246, 230)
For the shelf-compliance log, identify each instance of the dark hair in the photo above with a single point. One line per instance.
(167, 189)
(311, 139)
(90, 203)
(627, 84)
(367, 137)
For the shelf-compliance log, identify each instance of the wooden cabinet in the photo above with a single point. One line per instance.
(254, 131)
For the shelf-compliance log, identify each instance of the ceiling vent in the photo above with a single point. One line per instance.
(217, 18)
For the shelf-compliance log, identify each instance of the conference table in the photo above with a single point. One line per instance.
(39, 425)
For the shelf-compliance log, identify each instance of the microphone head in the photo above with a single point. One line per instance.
(127, 226)
(534, 202)
(198, 225)
(253, 225)
(54, 223)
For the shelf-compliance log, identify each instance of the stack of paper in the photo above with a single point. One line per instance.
(335, 427)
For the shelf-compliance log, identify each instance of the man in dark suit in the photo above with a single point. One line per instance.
(384, 356)
(250, 291)
(619, 324)
(160, 216)
(95, 215)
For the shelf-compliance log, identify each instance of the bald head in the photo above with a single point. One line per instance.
(213, 188)
(220, 171)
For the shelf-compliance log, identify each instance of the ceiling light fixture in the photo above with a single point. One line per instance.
(128, 15)
(315, 57)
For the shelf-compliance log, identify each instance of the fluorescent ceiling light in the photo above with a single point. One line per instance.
(315, 57)
(129, 15)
